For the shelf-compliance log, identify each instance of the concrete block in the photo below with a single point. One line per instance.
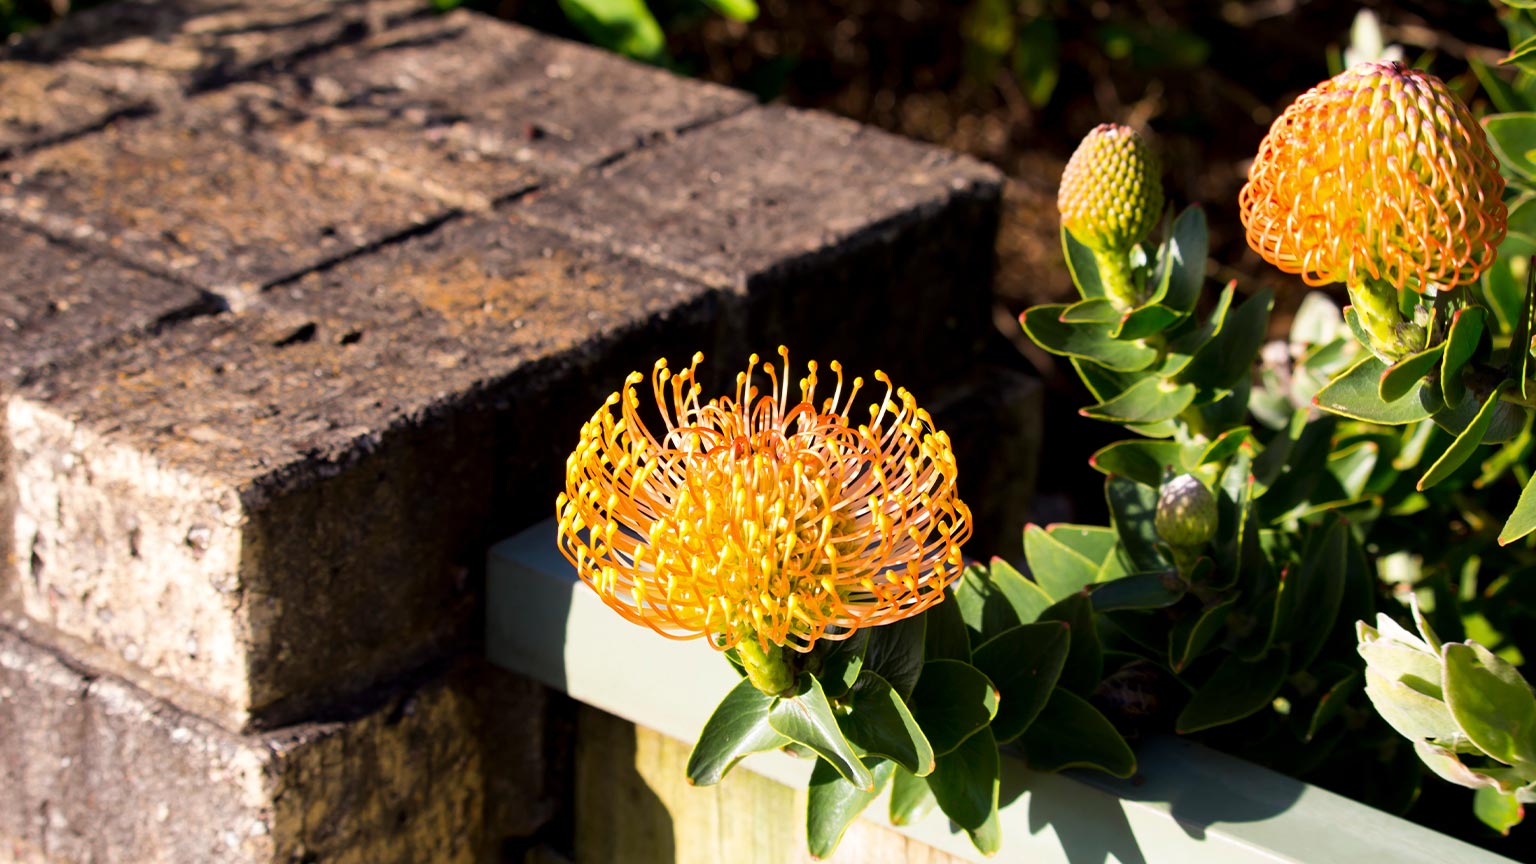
(474, 110)
(96, 770)
(182, 199)
(260, 513)
(845, 236)
(205, 43)
(57, 300)
(46, 102)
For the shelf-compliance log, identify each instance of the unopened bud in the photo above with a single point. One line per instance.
(1186, 513)
(1111, 192)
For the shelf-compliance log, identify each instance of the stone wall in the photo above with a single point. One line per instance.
(301, 306)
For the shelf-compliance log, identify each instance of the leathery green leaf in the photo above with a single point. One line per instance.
(1070, 733)
(953, 701)
(738, 728)
(832, 803)
(807, 718)
(1492, 704)
(1235, 690)
(1024, 663)
(879, 723)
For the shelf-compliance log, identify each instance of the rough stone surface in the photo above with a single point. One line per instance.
(471, 110)
(276, 508)
(46, 102)
(56, 300)
(207, 42)
(208, 207)
(829, 227)
(95, 770)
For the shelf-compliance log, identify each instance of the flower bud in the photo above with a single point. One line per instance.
(1186, 513)
(1111, 192)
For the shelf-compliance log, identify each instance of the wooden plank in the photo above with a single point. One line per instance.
(634, 804)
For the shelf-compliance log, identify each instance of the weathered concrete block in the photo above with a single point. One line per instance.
(208, 207)
(96, 770)
(45, 102)
(257, 514)
(838, 233)
(474, 110)
(56, 300)
(207, 42)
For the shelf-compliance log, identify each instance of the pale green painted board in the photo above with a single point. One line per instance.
(1190, 804)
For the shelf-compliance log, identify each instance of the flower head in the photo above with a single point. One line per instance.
(1379, 172)
(1111, 191)
(760, 517)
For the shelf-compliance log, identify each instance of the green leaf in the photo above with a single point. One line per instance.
(1355, 394)
(895, 651)
(1070, 733)
(739, 10)
(1513, 137)
(625, 26)
(1229, 354)
(1024, 663)
(1094, 310)
(1310, 595)
(1084, 665)
(1139, 459)
(996, 599)
(1414, 715)
(1460, 344)
(1132, 507)
(838, 662)
(807, 719)
(1518, 357)
(944, 637)
(1497, 810)
(1037, 59)
(967, 782)
(1526, 48)
(832, 803)
(1522, 520)
(1184, 254)
(911, 799)
(738, 728)
(1400, 379)
(1226, 444)
(1235, 690)
(1059, 570)
(1182, 350)
(1190, 636)
(1094, 542)
(1088, 340)
(1083, 266)
(1150, 400)
(953, 700)
(1156, 590)
(1491, 703)
(1144, 321)
(1469, 439)
(879, 722)
(1332, 701)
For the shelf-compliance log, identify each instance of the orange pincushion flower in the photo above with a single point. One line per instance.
(1382, 172)
(758, 517)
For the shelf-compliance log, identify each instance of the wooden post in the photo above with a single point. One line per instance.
(634, 806)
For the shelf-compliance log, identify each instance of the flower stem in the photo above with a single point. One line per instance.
(1392, 338)
(1115, 276)
(769, 671)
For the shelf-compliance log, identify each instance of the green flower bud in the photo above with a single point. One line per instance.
(1112, 192)
(1186, 513)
